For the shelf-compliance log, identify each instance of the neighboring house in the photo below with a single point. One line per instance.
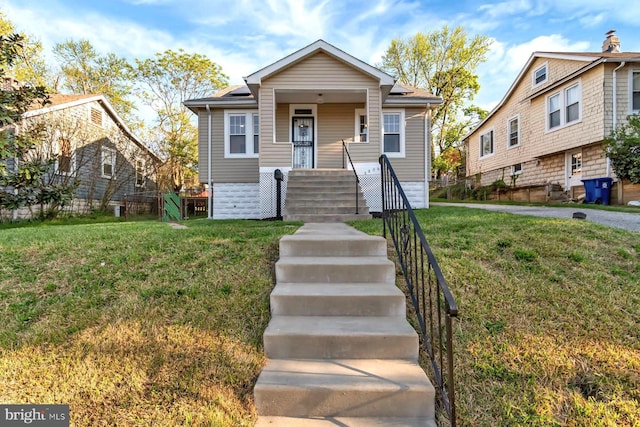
(295, 113)
(93, 148)
(550, 126)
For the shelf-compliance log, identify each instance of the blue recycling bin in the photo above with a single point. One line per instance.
(597, 190)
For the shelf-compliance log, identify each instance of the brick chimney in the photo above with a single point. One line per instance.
(611, 43)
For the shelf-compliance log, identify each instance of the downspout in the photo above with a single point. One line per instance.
(615, 109)
(427, 154)
(209, 187)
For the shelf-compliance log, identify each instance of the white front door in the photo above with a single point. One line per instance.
(573, 169)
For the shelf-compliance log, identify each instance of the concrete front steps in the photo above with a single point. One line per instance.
(340, 351)
(323, 195)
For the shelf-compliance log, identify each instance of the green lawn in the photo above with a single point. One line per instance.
(137, 323)
(549, 325)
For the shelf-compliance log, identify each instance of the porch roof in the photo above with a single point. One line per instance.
(239, 96)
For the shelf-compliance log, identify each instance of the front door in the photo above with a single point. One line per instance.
(302, 132)
(574, 169)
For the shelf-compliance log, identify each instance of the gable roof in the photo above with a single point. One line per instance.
(591, 59)
(61, 101)
(315, 47)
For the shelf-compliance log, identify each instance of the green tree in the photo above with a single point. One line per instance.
(23, 173)
(30, 66)
(84, 71)
(443, 62)
(164, 83)
(623, 148)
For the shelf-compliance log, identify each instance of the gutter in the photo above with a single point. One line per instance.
(209, 186)
(615, 108)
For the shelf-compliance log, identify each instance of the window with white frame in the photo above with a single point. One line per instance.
(539, 75)
(572, 104)
(635, 91)
(241, 134)
(516, 169)
(361, 126)
(564, 107)
(256, 134)
(140, 173)
(108, 163)
(554, 111)
(486, 144)
(393, 133)
(513, 131)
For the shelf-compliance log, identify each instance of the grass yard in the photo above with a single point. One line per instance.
(138, 323)
(549, 326)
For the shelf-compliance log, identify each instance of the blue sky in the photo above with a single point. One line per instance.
(243, 36)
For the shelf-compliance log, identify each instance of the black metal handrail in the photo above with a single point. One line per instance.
(344, 147)
(430, 294)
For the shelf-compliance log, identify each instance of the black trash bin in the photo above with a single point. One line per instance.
(597, 190)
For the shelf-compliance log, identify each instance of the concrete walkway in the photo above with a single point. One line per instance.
(624, 220)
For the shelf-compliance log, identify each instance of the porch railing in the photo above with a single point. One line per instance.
(433, 303)
(344, 148)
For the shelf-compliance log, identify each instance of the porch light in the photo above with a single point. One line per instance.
(319, 99)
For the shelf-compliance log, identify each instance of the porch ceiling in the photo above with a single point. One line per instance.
(320, 96)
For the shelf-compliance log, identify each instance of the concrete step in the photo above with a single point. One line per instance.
(344, 388)
(317, 245)
(320, 172)
(305, 199)
(344, 422)
(307, 218)
(327, 208)
(348, 299)
(366, 269)
(340, 337)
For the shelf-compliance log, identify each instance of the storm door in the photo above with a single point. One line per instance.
(302, 132)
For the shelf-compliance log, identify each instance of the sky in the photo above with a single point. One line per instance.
(243, 36)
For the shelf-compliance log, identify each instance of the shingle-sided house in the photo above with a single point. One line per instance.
(94, 148)
(550, 126)
(294, 114)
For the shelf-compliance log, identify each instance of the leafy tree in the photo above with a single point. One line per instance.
(84, 71)
(623, 148)
(443, 62)
(164, 82)
(30, 68)
(22, 172)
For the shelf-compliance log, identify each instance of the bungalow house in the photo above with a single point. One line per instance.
(294, 114)
(549, 128)
(93, 149)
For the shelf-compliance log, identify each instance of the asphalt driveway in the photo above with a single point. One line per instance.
(627, 221)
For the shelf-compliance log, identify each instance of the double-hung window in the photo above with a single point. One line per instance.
(486, 144)
(554, 111)
(241, 134)
(513, 131)
(393, 133)
(635, 91)
(564, 107)
(108, 162)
